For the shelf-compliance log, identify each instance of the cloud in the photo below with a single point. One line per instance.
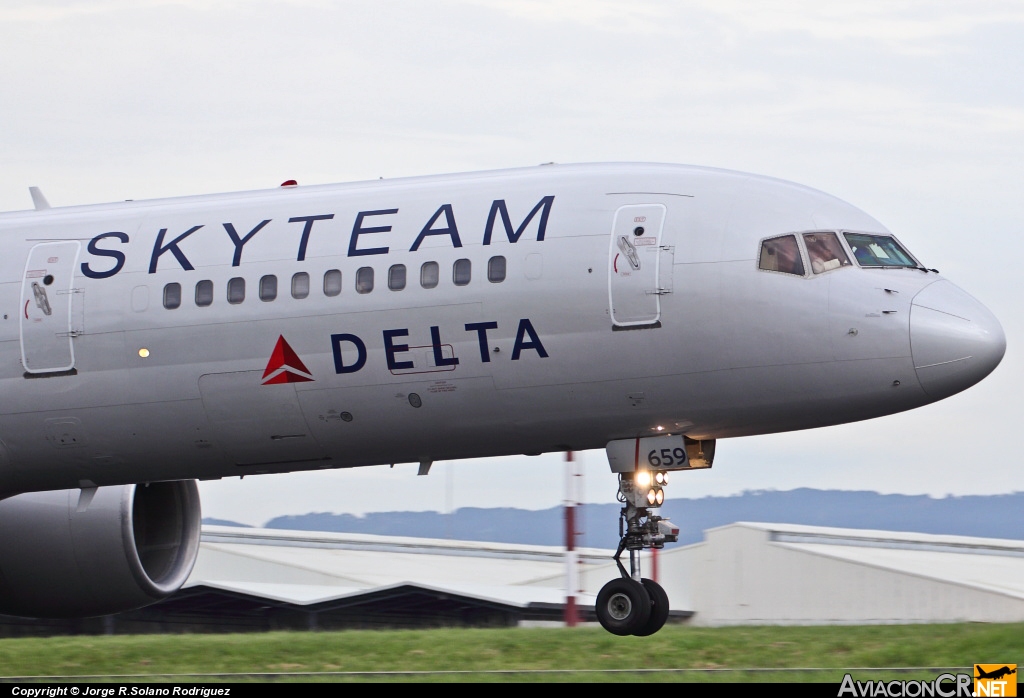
(907, 25)
(610, 15)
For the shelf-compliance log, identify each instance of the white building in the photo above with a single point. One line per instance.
(348, 579)
(757, 574)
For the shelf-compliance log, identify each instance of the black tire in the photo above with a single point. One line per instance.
(623, 606)
(659, 608)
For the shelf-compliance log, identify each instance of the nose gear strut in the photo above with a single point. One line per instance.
(633, 604)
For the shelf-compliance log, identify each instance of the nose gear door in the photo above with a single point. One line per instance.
(633, 265)
(49, 302)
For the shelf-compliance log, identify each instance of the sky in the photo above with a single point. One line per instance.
(912, 111)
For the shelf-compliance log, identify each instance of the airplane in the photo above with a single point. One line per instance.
(994, 674)
(647, 309)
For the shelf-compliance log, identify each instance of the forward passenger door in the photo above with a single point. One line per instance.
(51, 308)
(635, 279)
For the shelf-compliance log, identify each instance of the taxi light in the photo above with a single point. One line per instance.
(651, 496)
(659, 497)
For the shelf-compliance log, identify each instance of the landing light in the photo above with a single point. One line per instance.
(643, 478)
(144, 352)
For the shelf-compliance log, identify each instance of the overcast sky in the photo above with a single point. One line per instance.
(913, 111)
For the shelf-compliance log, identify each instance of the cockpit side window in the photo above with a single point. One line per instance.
(825, 251)
(878, 251)
(781, 254)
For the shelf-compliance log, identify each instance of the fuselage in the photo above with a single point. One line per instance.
(458, 316)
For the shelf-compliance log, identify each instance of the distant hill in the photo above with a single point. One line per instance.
(992, 516)
(224, 522)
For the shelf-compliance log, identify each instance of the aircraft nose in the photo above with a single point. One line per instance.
(955, 341)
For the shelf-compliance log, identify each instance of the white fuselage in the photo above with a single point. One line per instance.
(571, 349)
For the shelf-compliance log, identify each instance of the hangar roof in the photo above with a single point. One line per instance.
(991, 564)
(310, 568)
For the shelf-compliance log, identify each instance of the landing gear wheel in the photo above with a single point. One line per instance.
(659, 608)
(623, 606)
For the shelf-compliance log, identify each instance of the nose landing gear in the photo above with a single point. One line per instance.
(633, 604)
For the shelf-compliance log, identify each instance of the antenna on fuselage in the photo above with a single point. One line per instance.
(38, 200)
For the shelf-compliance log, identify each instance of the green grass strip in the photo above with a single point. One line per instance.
(713, 651)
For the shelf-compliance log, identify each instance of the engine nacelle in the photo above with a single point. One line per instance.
(77, 553)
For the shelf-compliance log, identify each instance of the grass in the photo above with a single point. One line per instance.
(528, 649)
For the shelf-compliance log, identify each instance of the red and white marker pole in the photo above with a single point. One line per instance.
(571, 562)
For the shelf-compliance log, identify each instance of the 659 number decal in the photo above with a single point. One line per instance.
(667, 458)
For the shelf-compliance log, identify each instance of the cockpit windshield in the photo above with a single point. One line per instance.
(879, 251)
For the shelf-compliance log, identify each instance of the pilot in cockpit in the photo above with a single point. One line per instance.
(825, 252)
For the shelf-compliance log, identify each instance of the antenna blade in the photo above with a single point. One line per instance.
(38, 200)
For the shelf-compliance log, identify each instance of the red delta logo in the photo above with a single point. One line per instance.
(285, 366)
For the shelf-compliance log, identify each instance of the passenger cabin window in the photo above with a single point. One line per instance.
(496, 269)
(364, 280)
(781, 254)
(825, 252)
(396, 277)
(461, 272)
(204, 293)
(879, 251)
(430, 273)
(236, 290)
(300, 285)
(332, 282)
(268, 288)
(172, 296)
